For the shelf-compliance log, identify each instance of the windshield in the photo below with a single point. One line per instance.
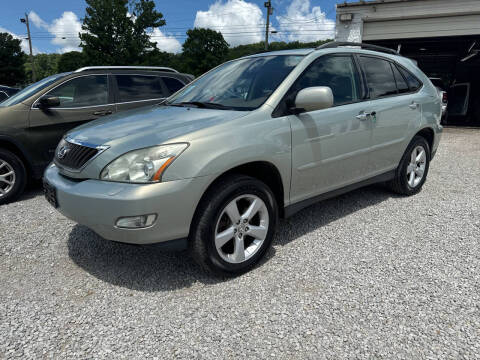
(243, 84)
(31, 89)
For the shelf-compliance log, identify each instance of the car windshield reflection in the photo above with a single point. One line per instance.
(243, 84)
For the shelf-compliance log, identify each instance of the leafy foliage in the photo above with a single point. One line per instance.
(250, 49)
(203, 50)
(71, 61)
(198, 60)
(45, 65)
(163, 58)
(12, 59)
(115, 33)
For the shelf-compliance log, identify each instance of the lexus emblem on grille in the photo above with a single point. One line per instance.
(62, 152)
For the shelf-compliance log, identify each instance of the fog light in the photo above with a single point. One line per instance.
(136, 222)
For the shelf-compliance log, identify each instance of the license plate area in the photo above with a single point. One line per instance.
(50, 194)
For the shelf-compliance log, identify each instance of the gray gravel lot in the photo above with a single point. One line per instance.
(365, 275)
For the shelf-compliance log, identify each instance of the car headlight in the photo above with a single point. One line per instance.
(143, 165)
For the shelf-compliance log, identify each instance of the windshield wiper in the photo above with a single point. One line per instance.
(201, 104)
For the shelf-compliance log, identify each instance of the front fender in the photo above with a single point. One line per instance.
(237, 143)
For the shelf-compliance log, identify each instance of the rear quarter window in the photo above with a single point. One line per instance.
(413, 83)
(401, 82)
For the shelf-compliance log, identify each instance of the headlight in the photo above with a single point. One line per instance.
(143, 165)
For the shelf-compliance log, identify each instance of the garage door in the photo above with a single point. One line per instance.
(421, 27)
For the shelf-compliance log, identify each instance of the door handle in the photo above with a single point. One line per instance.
(413, 106)
(102, 112)
(365, 115)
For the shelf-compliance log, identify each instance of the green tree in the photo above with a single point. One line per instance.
(70, 61)
(203, 50)
(250, 49)
(45, 65)
(163, 58)
(12, 59)
(115, 31)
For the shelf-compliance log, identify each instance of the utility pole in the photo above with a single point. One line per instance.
(268, 5)
(25, 21)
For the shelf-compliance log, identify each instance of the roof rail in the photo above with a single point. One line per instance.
(157, 68)
(335, 44)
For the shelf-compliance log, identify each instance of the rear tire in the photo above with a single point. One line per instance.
(226, 238)
(13, 176)
(413, 169)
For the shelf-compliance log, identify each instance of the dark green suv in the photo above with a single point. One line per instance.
(33, 121)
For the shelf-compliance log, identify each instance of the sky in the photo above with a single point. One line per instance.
(55, 24)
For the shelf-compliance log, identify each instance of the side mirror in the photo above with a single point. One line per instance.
(314, 98)
(46, 102)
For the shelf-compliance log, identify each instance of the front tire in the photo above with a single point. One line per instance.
(412, 172)
(234, 225)
(13, 176)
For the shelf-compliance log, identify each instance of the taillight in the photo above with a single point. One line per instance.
(445, 97)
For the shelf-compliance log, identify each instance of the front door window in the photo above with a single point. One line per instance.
(91, 90)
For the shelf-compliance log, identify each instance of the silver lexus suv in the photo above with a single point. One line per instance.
(255, 139)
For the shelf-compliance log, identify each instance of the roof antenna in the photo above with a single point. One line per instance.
(399, 47)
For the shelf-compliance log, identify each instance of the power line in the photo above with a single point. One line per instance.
(229, 36)
(312, 31)
(171, 29)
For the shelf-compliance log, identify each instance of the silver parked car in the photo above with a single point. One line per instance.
(255, 139)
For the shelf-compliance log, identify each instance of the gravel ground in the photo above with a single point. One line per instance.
(365, 275)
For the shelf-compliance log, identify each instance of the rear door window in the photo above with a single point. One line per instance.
(379, 74)
(172, 84)
(138, 87)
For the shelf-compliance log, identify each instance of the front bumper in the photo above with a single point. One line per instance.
(99, 204)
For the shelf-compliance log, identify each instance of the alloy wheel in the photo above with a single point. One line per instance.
(7, 178)
(241, 228)
(416, 167)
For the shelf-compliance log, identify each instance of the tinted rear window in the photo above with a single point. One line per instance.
(173, 85)
(138, 87)
(380, 79)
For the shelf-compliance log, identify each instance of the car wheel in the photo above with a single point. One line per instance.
(413, 169)
(233, 226)
(13, 176)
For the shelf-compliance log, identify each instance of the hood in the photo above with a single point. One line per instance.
(153, 125)
(13, 117)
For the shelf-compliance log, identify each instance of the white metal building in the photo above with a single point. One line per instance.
(442, 35)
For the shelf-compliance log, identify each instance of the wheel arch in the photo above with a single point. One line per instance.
(13, 146)
(264, 171)
(428, 134)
